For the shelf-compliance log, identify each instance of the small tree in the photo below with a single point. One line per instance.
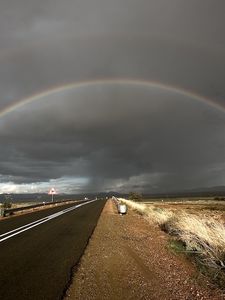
(6, 205)
(135, 196)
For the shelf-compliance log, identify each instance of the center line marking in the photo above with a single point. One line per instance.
(16, 231)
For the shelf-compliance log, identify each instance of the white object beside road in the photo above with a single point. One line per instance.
(122, 209)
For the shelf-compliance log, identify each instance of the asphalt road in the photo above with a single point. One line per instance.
(36, 259)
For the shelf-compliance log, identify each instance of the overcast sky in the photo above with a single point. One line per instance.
(118, 135)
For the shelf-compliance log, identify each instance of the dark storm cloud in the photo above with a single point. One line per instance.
(49, 43)
(112, 137)
(116, 136)
(68, 60)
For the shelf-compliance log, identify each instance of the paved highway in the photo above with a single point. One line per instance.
(38, 250)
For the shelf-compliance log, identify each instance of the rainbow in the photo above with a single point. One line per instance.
(121, 81)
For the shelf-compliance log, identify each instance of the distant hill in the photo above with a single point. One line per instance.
(40, 197)
(199, 192)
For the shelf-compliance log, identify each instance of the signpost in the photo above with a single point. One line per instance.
(52, 192)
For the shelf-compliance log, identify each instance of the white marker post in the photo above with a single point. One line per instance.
(52, 192)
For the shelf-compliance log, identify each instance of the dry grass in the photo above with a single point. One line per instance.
(152, 213)
(201, 234)
(205, 235)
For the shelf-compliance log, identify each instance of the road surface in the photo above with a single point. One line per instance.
(38, 250)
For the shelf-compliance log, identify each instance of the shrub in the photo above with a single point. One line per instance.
(6, 205)
(135, 196)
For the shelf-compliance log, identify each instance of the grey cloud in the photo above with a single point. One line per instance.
(114, 133)
(37, 68)
(192, 21)
(113, 136)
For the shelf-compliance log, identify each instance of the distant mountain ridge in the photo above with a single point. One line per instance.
(40, 197)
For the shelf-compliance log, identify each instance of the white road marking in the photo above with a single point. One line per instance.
(14, 232)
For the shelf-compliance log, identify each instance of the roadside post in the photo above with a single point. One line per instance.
(122, 209)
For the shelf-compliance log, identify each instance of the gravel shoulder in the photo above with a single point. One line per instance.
(128, 258)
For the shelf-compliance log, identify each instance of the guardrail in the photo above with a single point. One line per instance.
(9, 211)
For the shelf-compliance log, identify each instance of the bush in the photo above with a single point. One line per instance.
(6, 205)
(135, 196)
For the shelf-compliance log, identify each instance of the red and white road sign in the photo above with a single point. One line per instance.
(52, 191)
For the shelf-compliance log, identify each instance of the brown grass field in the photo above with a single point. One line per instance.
(199, 225)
